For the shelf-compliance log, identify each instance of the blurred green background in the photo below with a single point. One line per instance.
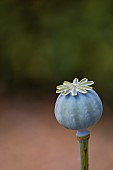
(43, 42)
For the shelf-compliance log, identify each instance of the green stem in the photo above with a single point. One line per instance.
(83, 136)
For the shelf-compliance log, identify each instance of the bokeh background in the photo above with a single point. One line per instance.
(43, 43)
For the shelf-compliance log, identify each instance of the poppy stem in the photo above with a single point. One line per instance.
(83, 137)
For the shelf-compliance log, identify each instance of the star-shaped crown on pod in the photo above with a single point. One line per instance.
(74, 87)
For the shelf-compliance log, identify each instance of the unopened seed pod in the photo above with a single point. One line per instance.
(78, 106)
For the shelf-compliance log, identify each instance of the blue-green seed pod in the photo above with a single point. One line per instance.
(78, 106)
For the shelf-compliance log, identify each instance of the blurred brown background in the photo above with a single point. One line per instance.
(43, 43)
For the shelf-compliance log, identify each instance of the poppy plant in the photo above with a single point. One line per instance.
(78, 107)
